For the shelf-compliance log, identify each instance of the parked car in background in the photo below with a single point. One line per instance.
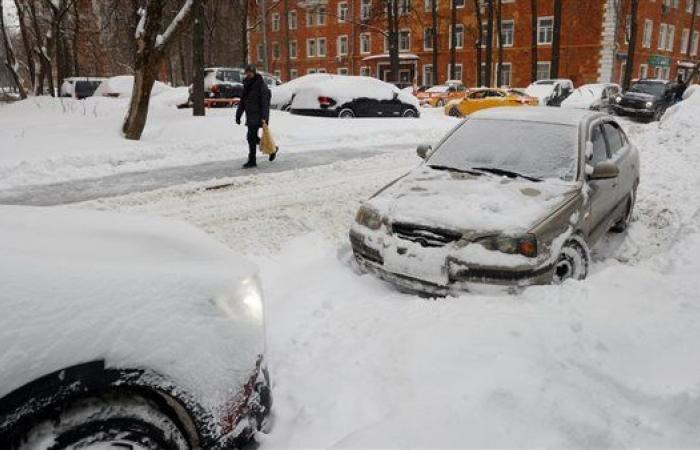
(80, 87)
(128, 332)
(122, 86)
(270, 79)
(550, 92)
(223, 86)
(348, 96)
(484, 98)
(645, 99)
(283, 94)
(438, 96)
(510, 197)
(596, 97)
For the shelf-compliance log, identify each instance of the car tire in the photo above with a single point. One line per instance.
(622, 225)
(573, 261)
(454, 112)
(410, 113)
(124, 422)
(346, 113)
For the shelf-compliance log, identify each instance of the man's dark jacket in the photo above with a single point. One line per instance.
(255, 102)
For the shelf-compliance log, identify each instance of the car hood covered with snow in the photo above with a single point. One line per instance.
(135, 292)
(464, 202)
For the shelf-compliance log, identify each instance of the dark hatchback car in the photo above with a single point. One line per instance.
(645, 99)
(80, 88)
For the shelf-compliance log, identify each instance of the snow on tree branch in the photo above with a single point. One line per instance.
(179, 22)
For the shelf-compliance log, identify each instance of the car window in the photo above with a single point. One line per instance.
(615, 139)
(600, 150)
(477, 95)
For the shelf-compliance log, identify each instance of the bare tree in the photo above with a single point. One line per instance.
(632, 45)
(489, 43)
(479, 42)
(533, 40)
(10, 61)
(198, 59)
(152, 47)
(59, 9)
(556, 39)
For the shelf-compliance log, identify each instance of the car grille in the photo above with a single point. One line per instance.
(363, 250)
(631, 103)
(425, 236)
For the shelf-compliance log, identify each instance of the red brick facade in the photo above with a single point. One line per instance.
(589, 29)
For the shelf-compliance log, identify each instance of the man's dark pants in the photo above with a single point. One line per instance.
(253, 141)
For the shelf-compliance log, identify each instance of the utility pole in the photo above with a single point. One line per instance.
(263, 24)
(198, 59)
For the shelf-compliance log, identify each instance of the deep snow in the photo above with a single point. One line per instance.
(607, 362)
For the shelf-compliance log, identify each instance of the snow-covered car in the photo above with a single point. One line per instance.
(596, 97)
(270, 80)
(121, 331)
(80, 87)
(510, 197)
(550, 92)
(122, 86)
(438, 96)
(646, 99)
(347, 97)
(223, 86)
(283, 94)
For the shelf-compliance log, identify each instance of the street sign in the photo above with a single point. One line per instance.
(659, 61)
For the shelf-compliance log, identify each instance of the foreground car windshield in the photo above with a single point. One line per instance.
(648, 88)
(532, 149)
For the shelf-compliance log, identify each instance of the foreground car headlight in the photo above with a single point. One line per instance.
(369, 218)
(618, 99)
(650, 104)
(525, 245)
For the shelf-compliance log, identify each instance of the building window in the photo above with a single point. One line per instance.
(310, 48)
(685, 40)
(545, 30)
(293, 73)
(310, 71)
(321, 46)
(292, 49)
(342, 45)
(689, 6)
(343, 71)
(275, 50)
(507, 32)
(275, 22)
(458, 72)
(260, 53)
(670, 37)
(365, 9)
(321, 12)
(404, 41)
(506, 74)
(342, 11)
(322, 70)
(428, 5)
(459, 3)
(428, 75)
(458, 37)
(662, 36)
(310, 19)
(365, 43)
(364, 71)
(643, 71)
(404, 7)
(278, 74)
(292, 20)
(648, 31)
(544, 70)
(427, 38)
(694, 45)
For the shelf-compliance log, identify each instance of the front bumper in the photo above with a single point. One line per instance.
(627, 111)
(314, 112)
(461, 277)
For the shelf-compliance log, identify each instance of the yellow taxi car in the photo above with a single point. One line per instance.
(438, 96)
(484, 98)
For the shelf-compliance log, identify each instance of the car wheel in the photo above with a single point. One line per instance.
(410, 113)
(112, 421)
(573, 261)
(657, 115)
(625, 221)
(454, 112)
(346, 113)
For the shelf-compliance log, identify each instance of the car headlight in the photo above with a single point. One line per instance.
(650, 104)
(525, 245)
(369, 218)
(618, 99)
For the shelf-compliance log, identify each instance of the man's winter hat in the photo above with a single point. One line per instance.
(251, 68)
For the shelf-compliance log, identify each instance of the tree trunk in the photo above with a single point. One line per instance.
(453, 39)
(692, 27)
(10, 61)
(631, 46)
(499, 33)
(479, 42)
(434, 31)
(556, 39)
(489, 44)
(393, 20)
(533, 41)
(198, 60)
(26, 43)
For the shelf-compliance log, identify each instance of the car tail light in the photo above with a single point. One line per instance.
(325, 102)
(215, 89)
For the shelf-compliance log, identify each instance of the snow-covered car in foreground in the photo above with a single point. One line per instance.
(550, 92)
(510, 197)
(353, 96)
(283, 94)
(596, 97)
(125, 332)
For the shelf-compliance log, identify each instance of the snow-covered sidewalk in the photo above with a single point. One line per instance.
(608, 362)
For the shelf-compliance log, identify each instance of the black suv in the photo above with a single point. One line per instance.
(645, 99)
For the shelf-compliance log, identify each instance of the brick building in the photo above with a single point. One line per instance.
(347, 37)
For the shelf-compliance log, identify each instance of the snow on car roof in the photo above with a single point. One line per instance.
(535, 114)
(345, 88)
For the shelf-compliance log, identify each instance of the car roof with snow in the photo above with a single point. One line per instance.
(536, 114)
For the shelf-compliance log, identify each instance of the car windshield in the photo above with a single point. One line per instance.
(441, 88)
(544, 82)
(229, 75)
(532, 149)
(648, 88)
(587, 93)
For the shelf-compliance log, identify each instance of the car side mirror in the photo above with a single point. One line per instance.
(604, 171)
(423, 151)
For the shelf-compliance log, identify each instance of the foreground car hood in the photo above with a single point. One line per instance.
(464, 202)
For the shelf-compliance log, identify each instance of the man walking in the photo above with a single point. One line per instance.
(255, 102)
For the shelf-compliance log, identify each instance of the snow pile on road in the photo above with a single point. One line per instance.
(346, 88)
(122, 86)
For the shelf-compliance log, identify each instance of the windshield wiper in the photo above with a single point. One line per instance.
(507, 173)
(454, 169)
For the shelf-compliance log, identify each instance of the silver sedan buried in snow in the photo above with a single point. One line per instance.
(510, 197)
